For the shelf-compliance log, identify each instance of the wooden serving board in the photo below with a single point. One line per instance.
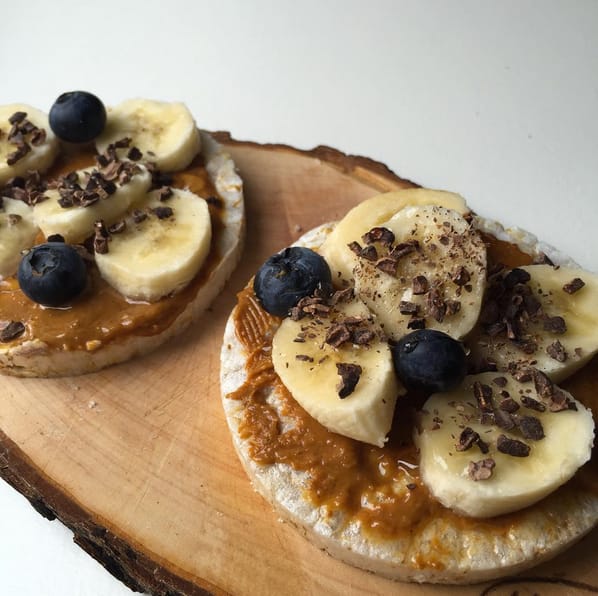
(137, 459)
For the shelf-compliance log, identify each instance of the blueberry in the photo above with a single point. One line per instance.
(429, 360)
(52, 274)
(288, 276)
(77, 117)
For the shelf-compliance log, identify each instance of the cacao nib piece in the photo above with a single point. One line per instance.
(500, 381)
(484, 448)
(516, 276)
(461, 276)
(522, 374)
(138, 216)
(467, 439)
(452, 307)
(13, 219)
(369, 253)
(574, 285)
(38, 137)
(532, 404)
(304, 358)
(436, 305)
(403, 249)
(470, 437)
(355, 247)
(341, 296)
(165, 192)
(362, 337)
(337, 335)
(20, 152)
(352, 321)
(388, 264)
(408, 308)
(123, 143)
(118, 227)
(555, 325)
(544, 386)
(531, 428)
(100, 241)
(420, 285)
(316, 307)
(508, 404)
(512, 447)
(11, 331)
(134, 154)
(17, 117)
(483, 395)
(503, 419)
(481, 470)
(350, 374)
(560, 401)
(416, 323)
(557, 351)
(89, 198)
(379, 234)
(163, 212)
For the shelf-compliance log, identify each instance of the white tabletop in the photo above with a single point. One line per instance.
(495, 100)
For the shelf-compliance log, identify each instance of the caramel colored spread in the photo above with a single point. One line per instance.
(344, 473)
(102, 315)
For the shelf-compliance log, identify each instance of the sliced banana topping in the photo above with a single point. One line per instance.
(423, 268)
(26, 141)
(165, 133)
(371, 213)
(334, 362)
(17, 232)
(541, 316)
(497, 444)
(158, 248)
(87, 196)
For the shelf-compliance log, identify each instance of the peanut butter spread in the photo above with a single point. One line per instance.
(344, 473)
(101, 315)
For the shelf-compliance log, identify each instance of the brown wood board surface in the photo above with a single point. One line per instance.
(137, 460)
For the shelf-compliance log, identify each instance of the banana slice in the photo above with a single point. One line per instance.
(349, 387)
(165, 133)
(17, 232)
(26, 141)
(372, 213)
(497, 445)
(161, 248)
(541, 316)
(424, 267)
(76, 222)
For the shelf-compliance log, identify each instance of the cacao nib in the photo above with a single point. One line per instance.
(350, 375)
(481, 470)
(512, 447)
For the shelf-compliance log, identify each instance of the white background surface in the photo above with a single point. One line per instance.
(495, 100)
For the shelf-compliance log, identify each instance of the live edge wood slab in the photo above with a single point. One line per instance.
(137, 459)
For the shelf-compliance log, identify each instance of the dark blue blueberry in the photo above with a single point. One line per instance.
(430, 361)
(52, 274)
(77, 117)
(288, 276)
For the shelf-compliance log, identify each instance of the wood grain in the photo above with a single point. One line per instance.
(137, 461)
